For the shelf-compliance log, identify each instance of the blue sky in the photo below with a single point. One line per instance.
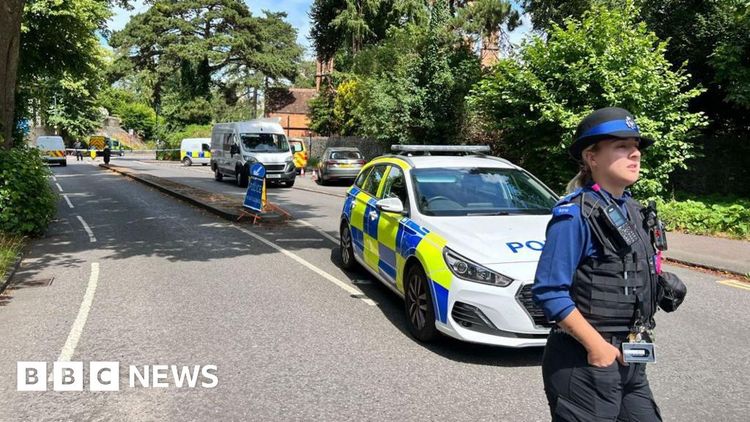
(297, 16)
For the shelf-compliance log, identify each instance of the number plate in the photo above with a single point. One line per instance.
(273, 176)
(345, 165)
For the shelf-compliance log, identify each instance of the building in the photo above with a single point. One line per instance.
(291, 106)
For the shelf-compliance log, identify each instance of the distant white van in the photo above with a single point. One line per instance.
(52, 149)
(238, 145)
(195, 151)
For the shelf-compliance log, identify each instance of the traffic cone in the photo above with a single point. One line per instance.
(302, 172)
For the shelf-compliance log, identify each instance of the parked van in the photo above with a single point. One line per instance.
(299, 151)
(195, 151)
(236, 146)
(52, 149)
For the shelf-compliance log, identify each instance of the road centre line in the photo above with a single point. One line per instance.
(83, 314)
(86, 227)
(70, 204)
(59, 187)
(346, 287)
(734, 283)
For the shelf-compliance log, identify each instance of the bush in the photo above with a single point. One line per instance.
(27, 203)
(10, 247)
(708, 215)
(536, 100)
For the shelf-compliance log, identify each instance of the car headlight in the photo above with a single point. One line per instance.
(468, 270)
(289, 159)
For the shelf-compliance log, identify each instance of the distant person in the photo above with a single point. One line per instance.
(107, 153)
(78, 146)
(599, 280)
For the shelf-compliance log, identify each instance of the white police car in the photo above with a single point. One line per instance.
(457, 236)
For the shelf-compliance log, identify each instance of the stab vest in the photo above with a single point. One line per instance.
(616, 290)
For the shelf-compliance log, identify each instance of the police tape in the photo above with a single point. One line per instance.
(133, 151)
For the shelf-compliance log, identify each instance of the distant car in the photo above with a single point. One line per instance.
(339, 163)
(458, 237)
(52, 149)
(195, 151)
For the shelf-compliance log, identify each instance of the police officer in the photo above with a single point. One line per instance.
(597, 279)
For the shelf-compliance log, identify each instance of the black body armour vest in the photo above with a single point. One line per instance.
(616, 290)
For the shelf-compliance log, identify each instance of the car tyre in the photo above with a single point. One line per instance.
(63, 163)
(346, 247)
(217, 175)
(420, 312)
(187, 162)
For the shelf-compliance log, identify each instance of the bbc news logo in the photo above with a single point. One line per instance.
(105, 376)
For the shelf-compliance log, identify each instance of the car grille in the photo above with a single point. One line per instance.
(275, 167)
(534, 311)
(473, 318)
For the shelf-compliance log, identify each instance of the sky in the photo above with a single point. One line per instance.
(296, 10)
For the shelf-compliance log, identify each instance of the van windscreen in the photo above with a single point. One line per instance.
(264, 142)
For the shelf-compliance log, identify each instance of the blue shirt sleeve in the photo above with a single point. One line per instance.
(568, 242)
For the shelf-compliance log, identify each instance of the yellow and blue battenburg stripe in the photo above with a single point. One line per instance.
(197, 154)
(385, 243)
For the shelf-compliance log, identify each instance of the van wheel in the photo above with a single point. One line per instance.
(63, 163)
(241, 177)
(346, 249)
(205, 164)
(187, 162)
(217, 175)
(420, 313)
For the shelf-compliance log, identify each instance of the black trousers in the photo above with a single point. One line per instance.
(577, 391)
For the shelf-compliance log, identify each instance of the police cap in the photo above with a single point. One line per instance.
(606, 123)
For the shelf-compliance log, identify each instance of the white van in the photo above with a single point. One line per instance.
(52, 149)
(195, 151)
(236, 146)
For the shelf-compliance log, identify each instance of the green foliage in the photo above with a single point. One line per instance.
(708, 216)
(27, 203)
(188, 52)
(547, 13)
(133, 113)
(322, 120)
(10, 248)
(730, 59)
(173, 139)
(487, 17)
(60, 64)
(536, 100)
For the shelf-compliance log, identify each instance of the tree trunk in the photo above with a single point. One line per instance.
(11, 12)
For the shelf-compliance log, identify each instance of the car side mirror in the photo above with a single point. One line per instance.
(392, 205)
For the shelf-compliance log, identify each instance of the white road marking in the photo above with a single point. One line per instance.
(300, 240)
(86, 227)
(83, 315)
(319, 230)
(70, 204)
(59, 187)
(54, 178)
(347, 287)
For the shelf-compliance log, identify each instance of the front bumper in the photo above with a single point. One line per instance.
(493, 315)
(283, 176)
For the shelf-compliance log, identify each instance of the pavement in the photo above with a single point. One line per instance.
(714, 253)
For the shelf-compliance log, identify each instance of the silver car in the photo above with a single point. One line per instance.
(339, 163)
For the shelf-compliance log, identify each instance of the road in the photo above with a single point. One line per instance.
(292, 335)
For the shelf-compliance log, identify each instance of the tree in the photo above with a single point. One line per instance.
(10, 41)
(217, 45)
(489, 19)
(607, 59)
(546, 13)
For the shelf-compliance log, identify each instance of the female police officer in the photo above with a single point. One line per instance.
(596, 279)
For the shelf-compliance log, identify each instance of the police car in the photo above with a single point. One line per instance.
(458, 236)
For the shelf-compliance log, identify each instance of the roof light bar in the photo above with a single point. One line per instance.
(477, 149)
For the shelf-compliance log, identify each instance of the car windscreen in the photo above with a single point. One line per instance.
(264, 142)
(345, 155)
(479, 191)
